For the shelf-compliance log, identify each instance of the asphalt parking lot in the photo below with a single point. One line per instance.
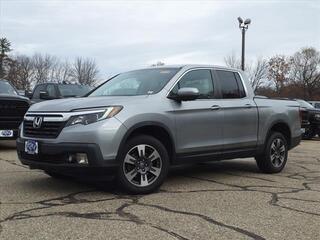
(222, 200)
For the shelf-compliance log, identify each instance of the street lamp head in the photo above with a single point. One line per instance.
(247, 21)
(240, 20)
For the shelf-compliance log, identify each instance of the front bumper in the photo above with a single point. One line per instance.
(54, 157)
(295, 141)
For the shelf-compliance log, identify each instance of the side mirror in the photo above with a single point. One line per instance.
(28, 94)
(45, 96)
(186, 94)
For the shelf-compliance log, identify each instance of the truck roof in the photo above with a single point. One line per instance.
(189, 66)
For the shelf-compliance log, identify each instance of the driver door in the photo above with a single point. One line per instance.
(198, 122)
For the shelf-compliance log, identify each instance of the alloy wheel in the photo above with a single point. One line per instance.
(277, 152)
(142, 165)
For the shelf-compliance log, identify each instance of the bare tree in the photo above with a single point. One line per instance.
(63, 72)
(25, 71)
(232, 61)
(306, 70)
(257, 71)
(12, 72)
(20, 71)
(159, 63)
(279, 68)
(44, 67)
(85, 71)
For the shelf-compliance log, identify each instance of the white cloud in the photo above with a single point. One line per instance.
(123, 35)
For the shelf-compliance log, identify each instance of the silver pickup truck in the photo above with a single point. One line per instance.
(138, 123)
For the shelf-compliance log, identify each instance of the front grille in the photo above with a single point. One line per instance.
(12, 112)
(47, 129)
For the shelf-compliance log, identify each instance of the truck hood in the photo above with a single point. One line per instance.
(13, 97)
(70, 104)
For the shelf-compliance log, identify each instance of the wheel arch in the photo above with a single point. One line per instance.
(155, 129)
(282, 127)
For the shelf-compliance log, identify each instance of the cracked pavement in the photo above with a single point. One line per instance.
(222, 200)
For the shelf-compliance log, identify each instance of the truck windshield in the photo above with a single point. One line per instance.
(138, 82)
(73, 90)
(7, 88)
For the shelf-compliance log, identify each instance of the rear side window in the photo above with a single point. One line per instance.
(51, 90)
(231, 85)
(240, 85)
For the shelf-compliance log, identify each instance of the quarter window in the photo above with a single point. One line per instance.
(200, 79)
(231, 85)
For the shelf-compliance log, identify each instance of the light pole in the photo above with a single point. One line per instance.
(243, 25)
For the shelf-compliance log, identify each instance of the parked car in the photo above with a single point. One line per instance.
(316, 104)
(310, 120)
(12, 109)
(140, 122)
(49, 91)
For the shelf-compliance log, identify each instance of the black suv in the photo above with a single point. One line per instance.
(49, 91)
(12, 109)
(310, 119)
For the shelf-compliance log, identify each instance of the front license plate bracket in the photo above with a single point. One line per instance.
(31, 147)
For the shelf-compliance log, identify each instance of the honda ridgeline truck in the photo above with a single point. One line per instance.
(139, 123)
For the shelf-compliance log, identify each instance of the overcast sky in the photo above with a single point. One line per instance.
(127, 35)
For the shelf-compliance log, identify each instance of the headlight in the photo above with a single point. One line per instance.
(94, 116)
(317, 116)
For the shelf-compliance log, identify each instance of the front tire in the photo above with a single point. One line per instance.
(275, 154)
(144, 164)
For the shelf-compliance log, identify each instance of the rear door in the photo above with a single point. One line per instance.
(240, 114)
(198, 122)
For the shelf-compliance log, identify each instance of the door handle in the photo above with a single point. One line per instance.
(215, 107)
(248, 105)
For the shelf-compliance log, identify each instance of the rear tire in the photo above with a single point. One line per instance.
(309, 134)
(144, 164)
(275, 154)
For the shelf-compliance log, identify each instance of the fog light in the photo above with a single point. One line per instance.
(71, 158)
(82, 158)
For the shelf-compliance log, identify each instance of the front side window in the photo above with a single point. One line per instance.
(230, 84)
(138, 82)
(37, 90)
(200, 79)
